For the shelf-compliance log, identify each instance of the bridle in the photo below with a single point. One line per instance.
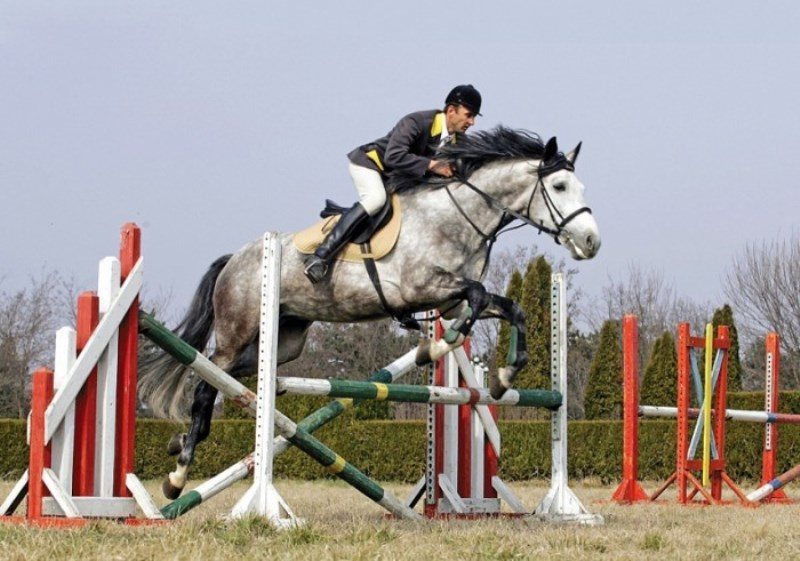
(559, 220)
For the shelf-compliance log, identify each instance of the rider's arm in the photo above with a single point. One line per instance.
(398, 156)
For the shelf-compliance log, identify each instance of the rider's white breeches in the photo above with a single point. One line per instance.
(371, 192)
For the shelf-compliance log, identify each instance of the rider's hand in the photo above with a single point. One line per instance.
(440, 168)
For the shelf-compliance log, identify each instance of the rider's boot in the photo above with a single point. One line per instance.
(317, 264)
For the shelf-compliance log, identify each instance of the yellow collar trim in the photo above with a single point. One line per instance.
(438, 125)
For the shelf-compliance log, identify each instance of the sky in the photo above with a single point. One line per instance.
(208, 123)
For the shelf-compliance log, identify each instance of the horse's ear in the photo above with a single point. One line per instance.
(572, 156)
(551, 149)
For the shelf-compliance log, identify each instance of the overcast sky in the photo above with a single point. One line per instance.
(208, 123)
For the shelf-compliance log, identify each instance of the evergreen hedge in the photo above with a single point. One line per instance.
(658, 383)
(603, 396)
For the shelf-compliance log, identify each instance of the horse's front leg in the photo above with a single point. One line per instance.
(505, 308)
(477, 299)
(184, 444)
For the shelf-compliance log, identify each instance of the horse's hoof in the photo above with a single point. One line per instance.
(496, 389)
(423, 355)
(169, 490)
(500, 382)
(176, 443)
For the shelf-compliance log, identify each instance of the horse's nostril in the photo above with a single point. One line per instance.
(590, 242)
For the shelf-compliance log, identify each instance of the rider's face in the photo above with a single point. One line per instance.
(459, 118)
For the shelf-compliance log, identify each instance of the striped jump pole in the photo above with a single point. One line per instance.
(549, 399)
(291, 432)
(243, 468)
(769, 488)
(730, 415)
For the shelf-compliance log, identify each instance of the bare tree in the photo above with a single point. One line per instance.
(763, 284)
(653, 300)
(27, 322)
(579, 361)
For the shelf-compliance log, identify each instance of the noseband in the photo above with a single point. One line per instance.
(559, 220)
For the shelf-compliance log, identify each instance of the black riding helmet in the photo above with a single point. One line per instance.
(467, 96)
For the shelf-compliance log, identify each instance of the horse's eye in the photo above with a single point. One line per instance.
(560, 187)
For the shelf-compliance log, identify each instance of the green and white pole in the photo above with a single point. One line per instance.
(295, 435)
(549, 399)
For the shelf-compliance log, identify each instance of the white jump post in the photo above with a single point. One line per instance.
(561, 504)
(262, 498)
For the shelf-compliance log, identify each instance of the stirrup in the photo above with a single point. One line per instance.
(316, 269)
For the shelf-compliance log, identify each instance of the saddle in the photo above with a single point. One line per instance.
(373, 240)
(377, 235)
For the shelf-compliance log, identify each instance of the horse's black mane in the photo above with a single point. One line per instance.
(478, 149)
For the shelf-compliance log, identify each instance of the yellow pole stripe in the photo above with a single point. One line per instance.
(346, 401)
(707, 391)
(337, 466)
(383, 391)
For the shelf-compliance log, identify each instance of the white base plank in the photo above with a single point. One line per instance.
(16, 495)
(142, 498)
(416, 493)
(505, 493)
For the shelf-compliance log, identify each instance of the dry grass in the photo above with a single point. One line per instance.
(343, 525)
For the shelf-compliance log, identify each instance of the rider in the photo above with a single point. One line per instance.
(407, 150)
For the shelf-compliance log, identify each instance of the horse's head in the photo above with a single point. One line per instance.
(556, 204)
(524, 178)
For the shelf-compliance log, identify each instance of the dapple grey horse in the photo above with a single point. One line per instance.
(448, 228)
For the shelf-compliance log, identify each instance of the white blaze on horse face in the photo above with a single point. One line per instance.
(581, 234)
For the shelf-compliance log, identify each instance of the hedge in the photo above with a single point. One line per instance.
(395, 450)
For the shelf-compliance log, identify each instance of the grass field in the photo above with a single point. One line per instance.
(341, 524)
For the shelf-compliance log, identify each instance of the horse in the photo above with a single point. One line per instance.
(448, 227)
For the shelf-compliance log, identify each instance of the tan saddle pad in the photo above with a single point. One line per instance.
(382, 241)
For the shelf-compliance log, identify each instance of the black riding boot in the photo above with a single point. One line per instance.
(317, 264)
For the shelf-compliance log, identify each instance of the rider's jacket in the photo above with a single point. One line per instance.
(407, 149)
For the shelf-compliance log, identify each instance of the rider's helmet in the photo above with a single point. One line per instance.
(465, 95)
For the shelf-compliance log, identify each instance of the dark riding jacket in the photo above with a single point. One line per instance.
(406, 150)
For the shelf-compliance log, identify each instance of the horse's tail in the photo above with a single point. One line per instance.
(162, 379)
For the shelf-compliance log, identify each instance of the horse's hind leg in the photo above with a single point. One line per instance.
(184, 444)
(292, 337)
